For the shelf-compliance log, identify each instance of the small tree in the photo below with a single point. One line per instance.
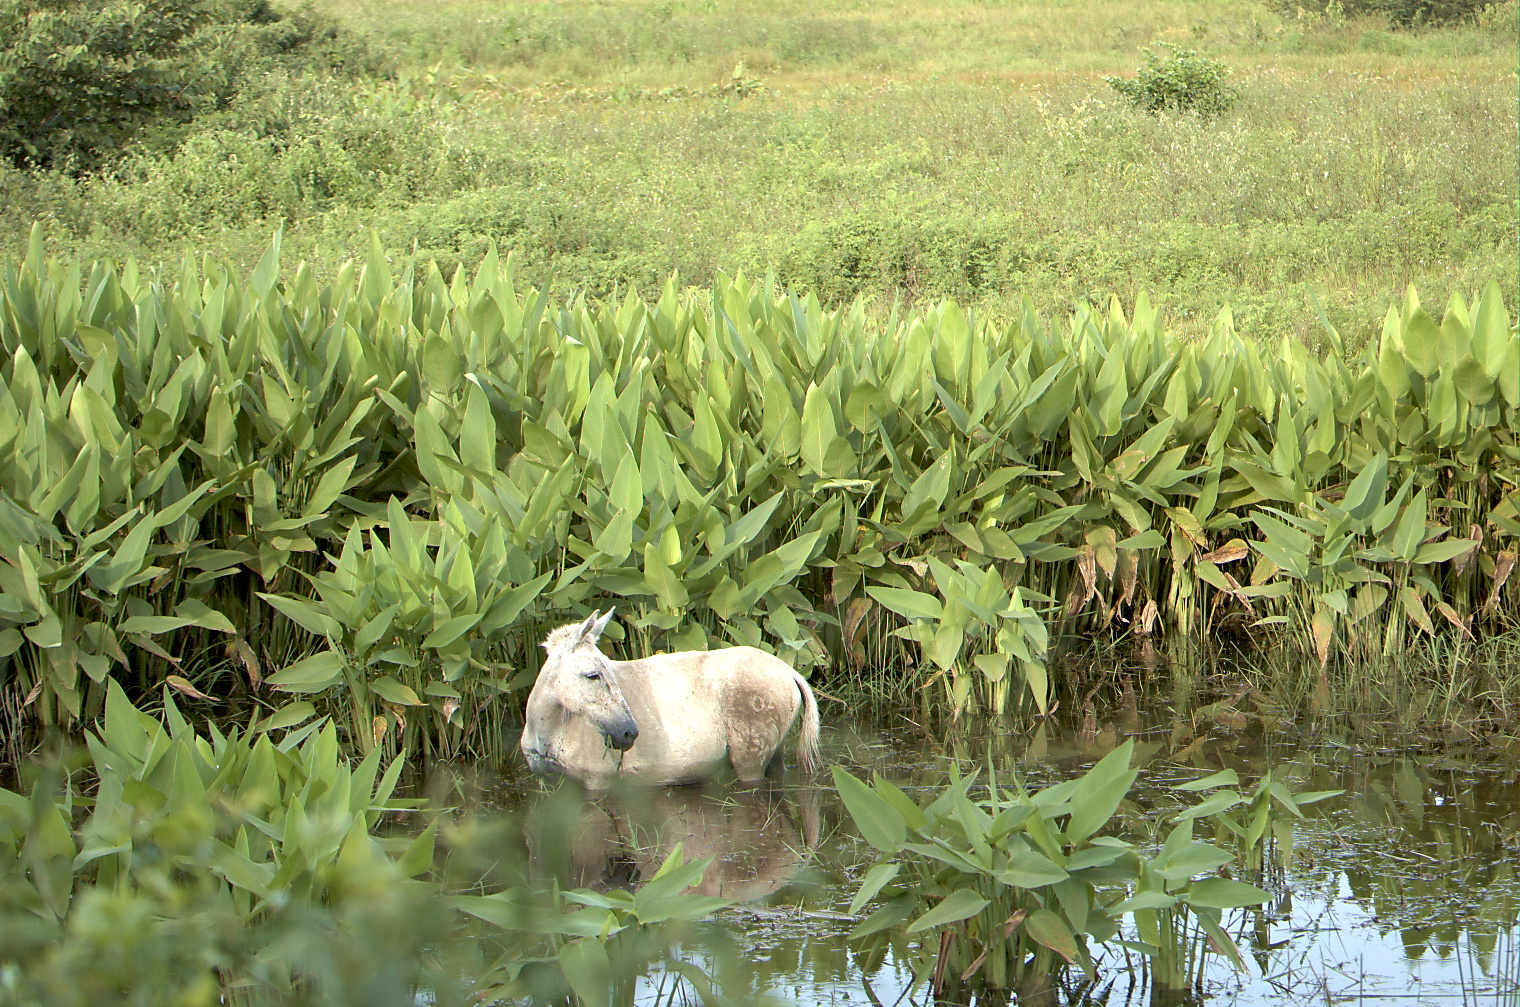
(79, 80)
(1183, 82)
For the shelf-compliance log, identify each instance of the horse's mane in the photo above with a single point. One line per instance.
(560, 637)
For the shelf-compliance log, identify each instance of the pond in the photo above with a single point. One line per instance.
(1402, 891)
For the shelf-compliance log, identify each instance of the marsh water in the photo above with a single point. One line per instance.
(1403, 891)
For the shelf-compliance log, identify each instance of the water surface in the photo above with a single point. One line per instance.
(1401, 892)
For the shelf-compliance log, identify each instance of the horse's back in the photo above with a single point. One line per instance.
(737, 702)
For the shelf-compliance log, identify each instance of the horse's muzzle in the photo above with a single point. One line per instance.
(622, 736)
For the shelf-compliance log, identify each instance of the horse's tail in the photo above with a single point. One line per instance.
(807, 734)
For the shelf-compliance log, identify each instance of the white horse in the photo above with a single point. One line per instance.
(669, 719)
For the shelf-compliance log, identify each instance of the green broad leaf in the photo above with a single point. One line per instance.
(820, 428)
(1422, 342)
(1099, 792)
(588, 969)
(1143, 900)
(1410, 531)
(198, 613)
(889, 915)
(871, 885)
(151, 624)
(930, 488)
(288, 715)
(879, 823)
(333, 482)
(906, 603)
(1414, 607)
(1282, 534)
(374, 629)
(1192, 860)
(626, 494)
(890, 792)
(417, 858)
(1223, 893)
(47, 633)
(1311, 796)
(1030, 869)
(451, 630)
(1148, 539)
(1223, 778)
(956, 906)
(312, 674)
(1223, 942)
(220, 431)
(392, 691)
(661, 581)
(1051, 930)
(510, 605)
(1365, 494)
(1472, 384)
(1448, 549)
(1491, 337)
(239, 870)
(304, 613)
(1223, 800)
(477, 435)
(780, 424)
(1110, 393)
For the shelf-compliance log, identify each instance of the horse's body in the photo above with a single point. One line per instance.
(668, 719)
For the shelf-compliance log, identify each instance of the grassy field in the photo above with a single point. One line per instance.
(894, 150)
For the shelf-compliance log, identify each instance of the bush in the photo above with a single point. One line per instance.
(80, 82)
(1400, 13)
(1183, 82)
(76, 83)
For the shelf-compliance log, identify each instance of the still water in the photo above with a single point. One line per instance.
(1401, 892)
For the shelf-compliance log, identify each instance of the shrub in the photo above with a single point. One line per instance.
(76, 83)
(80, 82)
(1183, 82)
(1400, 13)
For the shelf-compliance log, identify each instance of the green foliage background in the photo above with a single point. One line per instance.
(373, 495)
(874, 156)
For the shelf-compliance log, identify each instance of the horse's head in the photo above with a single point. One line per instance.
(581, 681)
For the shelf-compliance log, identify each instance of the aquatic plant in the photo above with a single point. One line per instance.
(365, 498)
(237, 869)
(1017, 884)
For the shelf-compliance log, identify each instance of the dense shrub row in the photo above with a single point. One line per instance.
(376, 493)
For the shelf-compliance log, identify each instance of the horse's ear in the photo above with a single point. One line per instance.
(601, 624)
(586, 628)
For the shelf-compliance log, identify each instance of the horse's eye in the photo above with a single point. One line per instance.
(595, 676)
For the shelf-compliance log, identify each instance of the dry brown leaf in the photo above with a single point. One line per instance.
(1087, 566)
(1324, 631)
(854, 618)
(146, 643)
(238, 649)
(1462, 562)
(32, 694)
(1452, 617)
(378, 727)
(1504, 565)
(450, 707)
(918, 566)
(1129, 568)
(1236, 592)
(1234, 549)
(181, 684)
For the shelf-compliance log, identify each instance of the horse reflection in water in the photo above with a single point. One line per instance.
(758, 837)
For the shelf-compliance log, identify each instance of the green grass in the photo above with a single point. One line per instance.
(906, 150)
